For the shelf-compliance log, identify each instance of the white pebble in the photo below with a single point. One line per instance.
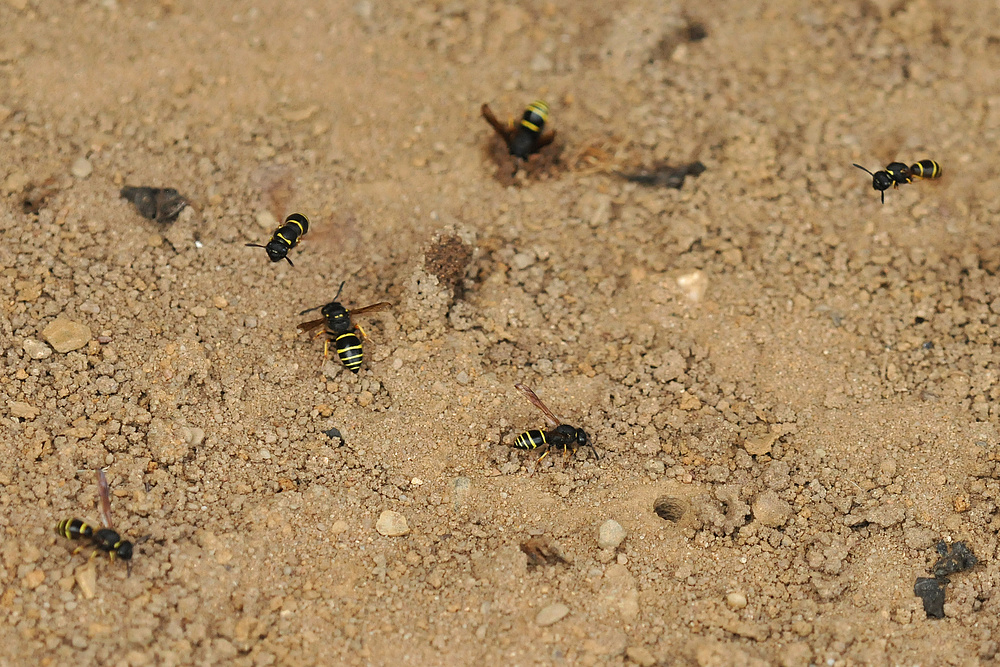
(392, 524)
(736, 600)
(82, 168)
(66, 335)
(523, 260)
(551, 614)
(611, 534)
(36, 349)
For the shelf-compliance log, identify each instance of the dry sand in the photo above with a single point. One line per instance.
(810, 375)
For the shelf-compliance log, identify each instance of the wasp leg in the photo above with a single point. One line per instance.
(326, 349)
(361, 331)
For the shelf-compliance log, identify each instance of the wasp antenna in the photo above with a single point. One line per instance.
(594, 449)
(863, 169)
(339, 290)
(289, 261)
(254, 245)
(309, 310)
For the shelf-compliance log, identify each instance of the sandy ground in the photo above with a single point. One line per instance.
(808, 376)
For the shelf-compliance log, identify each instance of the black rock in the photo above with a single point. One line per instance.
(160, 204)
(931, 591)
(954, 558)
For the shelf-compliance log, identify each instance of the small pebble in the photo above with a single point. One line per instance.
(106, 385)
(165, 441)
(522, 260)
(65, 335)
(82, 168)
(86, 579)
(16, 182)
(34, 579)
(192, 435)
(640, 655)
(461, 487)
(36, 349)
(23, 410)
(771, 510)
(655, 467)
(199, 311)
(611, 534)
(551, 614)
(392, 524)
(266, 220)
(736, 600)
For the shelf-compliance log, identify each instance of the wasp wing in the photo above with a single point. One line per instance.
(503, 130)
(550, 418)
(312, 325)
(374, 308)
(104, 493)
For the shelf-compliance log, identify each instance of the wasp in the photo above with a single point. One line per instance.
(104, 539)
(285, 238)
(897, 173)
(526, 137)
(562, 436)
(338, 325)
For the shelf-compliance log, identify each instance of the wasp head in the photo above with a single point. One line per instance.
(123, 550)
(276, 250)
(336, 316)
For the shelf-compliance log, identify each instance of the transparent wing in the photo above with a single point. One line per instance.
(501, 129)
(104, 493)
(534, 400)
(374, 308)
(312, 325)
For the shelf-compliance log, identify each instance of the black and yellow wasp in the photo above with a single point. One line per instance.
(285, 238)
(527, 136)
(561, 436)
(897, 173)
(339, 327)
(105, 539)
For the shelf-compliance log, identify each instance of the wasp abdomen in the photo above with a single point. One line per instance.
(531, 439)
(350, 351)
(74, 529)
(926, 169)
(525, 139)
